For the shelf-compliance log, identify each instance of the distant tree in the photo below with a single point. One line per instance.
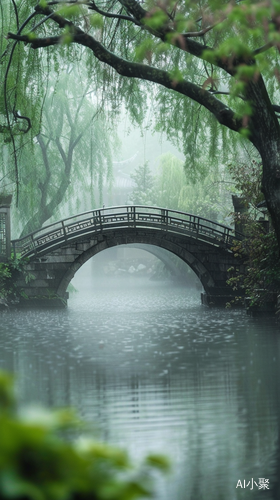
(174, 190)
(143, 192)
(216, 63)
(209, 198)
(170, 180)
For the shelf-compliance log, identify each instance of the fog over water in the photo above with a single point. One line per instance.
(151, 369)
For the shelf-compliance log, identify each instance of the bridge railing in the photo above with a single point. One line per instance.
(124, 216)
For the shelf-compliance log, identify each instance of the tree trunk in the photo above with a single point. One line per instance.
(46, 212)
(265, 135)
(270, 153)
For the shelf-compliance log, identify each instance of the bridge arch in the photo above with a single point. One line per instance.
(57, 251)
(149, 239)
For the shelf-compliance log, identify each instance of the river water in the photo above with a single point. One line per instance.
(152, 370)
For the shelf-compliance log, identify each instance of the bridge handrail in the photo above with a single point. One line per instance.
(128, 215)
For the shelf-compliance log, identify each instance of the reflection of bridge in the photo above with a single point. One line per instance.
(57, 251)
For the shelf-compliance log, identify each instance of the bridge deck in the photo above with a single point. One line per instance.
(105, 219)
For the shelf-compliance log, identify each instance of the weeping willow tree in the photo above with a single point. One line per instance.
(56, 143)
(215, 65)
(21, 93)
(69, 160)
(170, 178)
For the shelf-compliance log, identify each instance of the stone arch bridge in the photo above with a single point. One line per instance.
(56, 252)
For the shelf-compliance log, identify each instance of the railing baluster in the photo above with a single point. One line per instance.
(100, 220)
(197, 225)
(64, 230)
(227, 235)
(134, 215)
(33, 244)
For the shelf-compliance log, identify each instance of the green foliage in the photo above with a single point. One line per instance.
(263, 265)
(67, 36)
(21, 90)
(69, 11)
(72, 152)
(214, 62)
(76, 139)
(259, 250)
(235, 31)
(144, 190)
(207, 198)
(145, 50)
(170, 181)
(156, 19)
(247, 177)
(38, 463)
(171, 188)
(96, 20)
(10, 272)
(262, 277)
(127, 41)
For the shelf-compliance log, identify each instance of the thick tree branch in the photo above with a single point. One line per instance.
(182, 41)
(41, 216)
(58, 19)
(135, 9)
(16, 13)
(129, 69)
(166, 33)
(223, 113)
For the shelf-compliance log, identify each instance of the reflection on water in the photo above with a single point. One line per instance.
(153, 370)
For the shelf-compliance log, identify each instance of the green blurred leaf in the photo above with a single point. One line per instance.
(158, 461)
(6, 391)
(96, 20)
(36, 463)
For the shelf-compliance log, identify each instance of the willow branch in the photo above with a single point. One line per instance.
(223, 113)
(93, 6)
(193, 34)
(264, 48)
(6, 102)
(21, 117)
(42, 21)
(16, 13)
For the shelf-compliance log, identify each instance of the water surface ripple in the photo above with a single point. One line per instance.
(150, 369)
